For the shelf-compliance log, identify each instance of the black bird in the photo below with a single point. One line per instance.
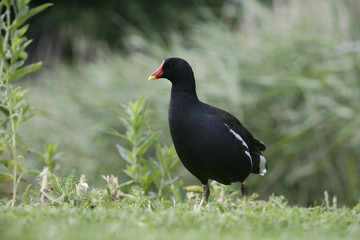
(210, 142)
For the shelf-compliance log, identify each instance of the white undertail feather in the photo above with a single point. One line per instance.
(262, 166)
(242, 142)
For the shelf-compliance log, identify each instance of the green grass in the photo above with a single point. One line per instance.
(144, 218)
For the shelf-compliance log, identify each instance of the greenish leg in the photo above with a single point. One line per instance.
(205, 195)
(244, 190)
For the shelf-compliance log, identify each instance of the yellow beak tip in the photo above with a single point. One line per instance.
(151, 78)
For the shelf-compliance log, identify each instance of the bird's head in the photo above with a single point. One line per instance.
(174, 69)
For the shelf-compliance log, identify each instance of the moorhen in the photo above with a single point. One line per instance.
(210, 142)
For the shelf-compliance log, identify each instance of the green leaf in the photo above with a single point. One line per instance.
(7, 2)
(17, 64)
(26, 194)
(23, 55)
(115, 133)
(25, 44)
(22, 3)
(23, 30)
(149, 166)
(22, 18)
(20, 163)
(147, 143)
(122, 186)
(5, 177)
(19, 51)
(129, 172)
(4, 108)
(2, 55)
(108, 191)
(112, 131)
(17, 41)
(146, 179)
(56, 185)
(124, 153)
(23, 71)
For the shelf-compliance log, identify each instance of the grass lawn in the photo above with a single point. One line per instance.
(150, 219)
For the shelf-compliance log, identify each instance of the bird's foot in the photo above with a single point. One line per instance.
(202, 202)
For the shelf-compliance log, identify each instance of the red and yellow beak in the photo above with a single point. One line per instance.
(157, 74)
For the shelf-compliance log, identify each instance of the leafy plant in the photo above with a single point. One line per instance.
(112, 187)
(51, 157)
(146, 172)
(13, 106)
(65, 191)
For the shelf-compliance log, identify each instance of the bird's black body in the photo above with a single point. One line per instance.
(210, 142)
(204, 144)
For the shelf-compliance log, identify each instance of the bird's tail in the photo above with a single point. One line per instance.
(259, 164)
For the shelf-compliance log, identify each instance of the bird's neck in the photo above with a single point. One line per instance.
(183, 93)
(184, 89)
(183, 98)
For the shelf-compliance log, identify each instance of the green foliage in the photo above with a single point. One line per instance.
(145, 171)
(13, 106)
(14, 41)
(155, 219)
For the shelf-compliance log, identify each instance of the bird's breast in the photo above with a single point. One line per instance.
(196, 132)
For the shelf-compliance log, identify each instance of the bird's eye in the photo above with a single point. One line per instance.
(171, 64)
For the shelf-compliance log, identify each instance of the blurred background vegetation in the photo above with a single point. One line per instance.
(288, 69)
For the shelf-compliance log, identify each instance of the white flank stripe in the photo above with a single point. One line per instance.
(262, 166)
(242, 142)
(247, 153)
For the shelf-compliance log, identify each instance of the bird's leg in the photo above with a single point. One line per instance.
(244, 190)
(205, 195)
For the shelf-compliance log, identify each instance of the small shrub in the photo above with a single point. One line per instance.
(153, 175)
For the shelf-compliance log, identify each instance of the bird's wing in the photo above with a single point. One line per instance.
(255, 145)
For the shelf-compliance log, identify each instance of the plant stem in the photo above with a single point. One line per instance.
(14, 153)
(1, 73)
(9, 105)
